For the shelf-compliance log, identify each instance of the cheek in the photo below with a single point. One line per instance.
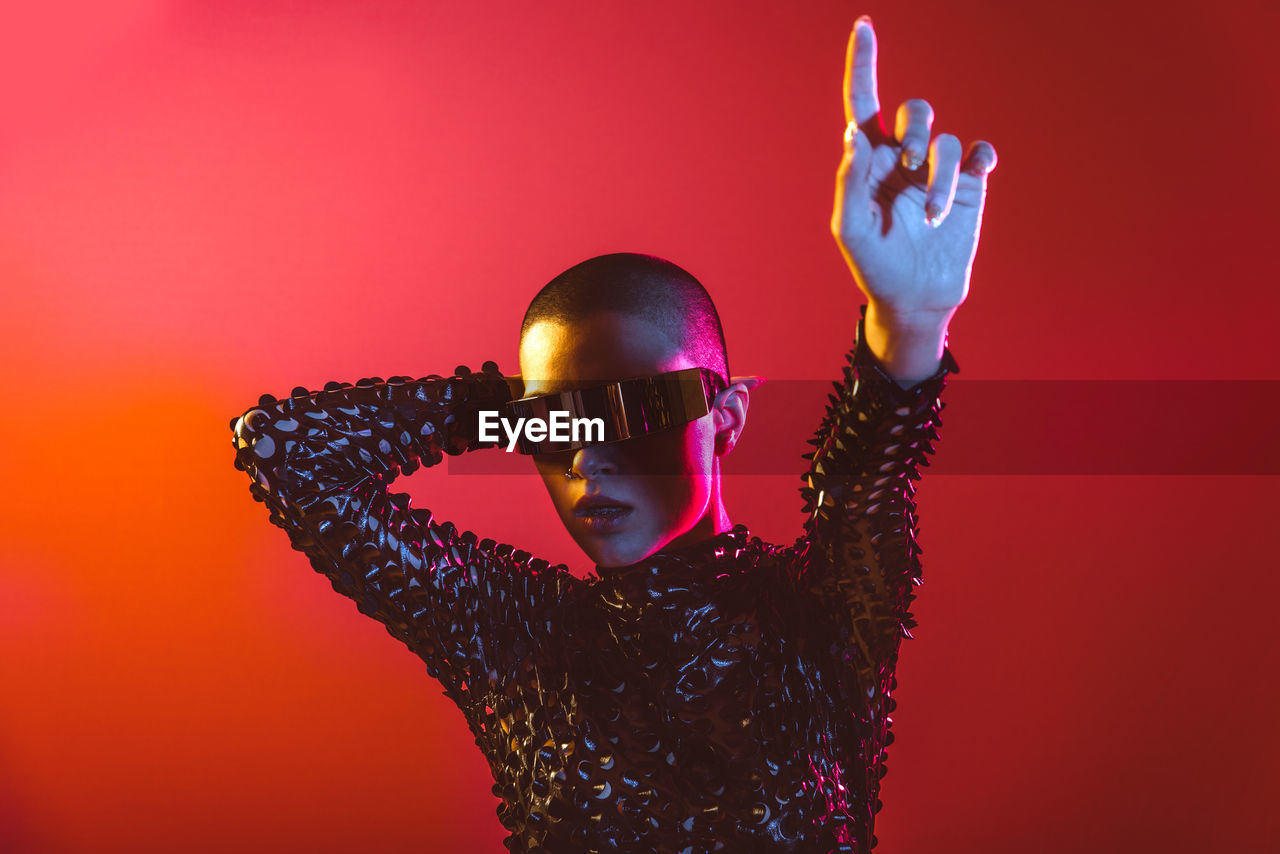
(679, 495)
(695, 451)
(684, 453)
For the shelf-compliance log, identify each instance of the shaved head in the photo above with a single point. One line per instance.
(644, 286)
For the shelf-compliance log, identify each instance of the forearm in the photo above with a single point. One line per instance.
(859, 507)
(306, 446)
(908, 346)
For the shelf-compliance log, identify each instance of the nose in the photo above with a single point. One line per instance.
(591, 462)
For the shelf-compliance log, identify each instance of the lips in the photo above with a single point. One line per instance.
(593, 503)
(600, 512)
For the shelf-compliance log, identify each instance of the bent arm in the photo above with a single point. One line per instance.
(322, 461)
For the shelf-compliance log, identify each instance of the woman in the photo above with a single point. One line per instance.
(705, 690)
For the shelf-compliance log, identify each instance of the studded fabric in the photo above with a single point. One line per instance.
(729, 696)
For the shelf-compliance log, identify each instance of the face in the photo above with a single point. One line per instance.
(676, 505)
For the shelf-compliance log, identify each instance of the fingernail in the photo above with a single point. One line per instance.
(912, 158)
(932, 214)
(864, 19)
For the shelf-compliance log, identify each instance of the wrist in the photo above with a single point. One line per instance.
(902, 322)
(908, 345)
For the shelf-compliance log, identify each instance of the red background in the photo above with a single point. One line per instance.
(201, 202)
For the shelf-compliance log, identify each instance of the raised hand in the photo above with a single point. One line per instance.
(908, 213)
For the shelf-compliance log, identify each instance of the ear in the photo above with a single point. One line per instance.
(730, 409)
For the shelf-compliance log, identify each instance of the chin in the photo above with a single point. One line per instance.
(609, 554)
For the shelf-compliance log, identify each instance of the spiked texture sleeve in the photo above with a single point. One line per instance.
(859, 554)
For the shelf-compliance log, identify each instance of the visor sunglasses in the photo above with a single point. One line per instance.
(615, 411)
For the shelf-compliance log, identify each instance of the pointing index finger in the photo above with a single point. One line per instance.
(861, 101)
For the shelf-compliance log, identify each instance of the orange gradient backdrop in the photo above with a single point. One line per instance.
(201, 202)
